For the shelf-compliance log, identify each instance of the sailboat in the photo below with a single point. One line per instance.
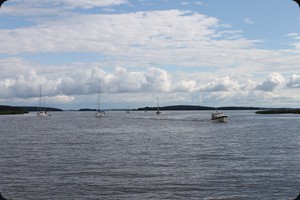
(99, 113)
(128, 111)
(158, 112)
(41, 112)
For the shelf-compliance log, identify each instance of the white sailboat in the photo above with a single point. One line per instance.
(158, 112)
(99, 113)
(41, 111)
(128, 110)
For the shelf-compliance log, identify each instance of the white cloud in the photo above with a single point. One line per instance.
(59, 99)
(294, 35)
(157, 80)
(199, 3)
(184, 86)
(85, 82)
(294, 81)
(124, 81)
(91, 3)
(224, 84)
(248, 21)
(143, 39)
(145, 85)
(139, 39)
(111, 34)
(272, 81)
(86, 4)
(185, 3)
(55, 8)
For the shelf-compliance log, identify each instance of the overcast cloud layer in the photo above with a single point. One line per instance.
(180, 55)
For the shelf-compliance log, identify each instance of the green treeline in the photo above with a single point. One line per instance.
(10, 110)
(13, 110)
(279, 111)
(191, 107)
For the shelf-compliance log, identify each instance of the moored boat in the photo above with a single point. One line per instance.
(41, 111)
(158, 112)
(99, 113)
(219, 116)
(42, 114)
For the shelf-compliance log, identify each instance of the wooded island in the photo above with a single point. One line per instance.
(17, 110)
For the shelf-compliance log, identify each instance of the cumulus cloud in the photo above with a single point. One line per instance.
(85, 82)
(121, 80)
(294, 81)
(68, 86)
(184, 86)
(157, 80)
(124, 81)
(221, 84)
(272, 81)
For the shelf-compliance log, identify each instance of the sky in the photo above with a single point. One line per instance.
(200, 52)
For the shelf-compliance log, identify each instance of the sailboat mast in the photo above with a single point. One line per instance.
(98, 102)
(158, 112)
(99, 113)
(40, 99)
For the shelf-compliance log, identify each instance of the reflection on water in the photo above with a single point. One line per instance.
(176, 155)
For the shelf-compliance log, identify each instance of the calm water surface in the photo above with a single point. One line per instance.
(177, 155)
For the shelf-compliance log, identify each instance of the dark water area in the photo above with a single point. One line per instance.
(177, 155)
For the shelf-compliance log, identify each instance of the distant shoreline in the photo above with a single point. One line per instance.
(20, 110)
(192, 107)
(279, 111)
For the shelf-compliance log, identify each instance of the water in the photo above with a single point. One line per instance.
(177, 155)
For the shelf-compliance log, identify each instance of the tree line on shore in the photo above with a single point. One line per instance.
(192, 107)
(11, 110)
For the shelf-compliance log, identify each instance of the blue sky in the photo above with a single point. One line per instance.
(202, 52)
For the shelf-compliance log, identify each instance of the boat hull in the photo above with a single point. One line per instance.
(42, 114)
(100, 114)
(218, 117)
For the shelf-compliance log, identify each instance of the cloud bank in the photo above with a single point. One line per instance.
(66, 88)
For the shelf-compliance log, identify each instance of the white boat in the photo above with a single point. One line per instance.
(42, 114)
(99, 113)
(219, 116)
(158, 112)
(128, 111)
(41, 111)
